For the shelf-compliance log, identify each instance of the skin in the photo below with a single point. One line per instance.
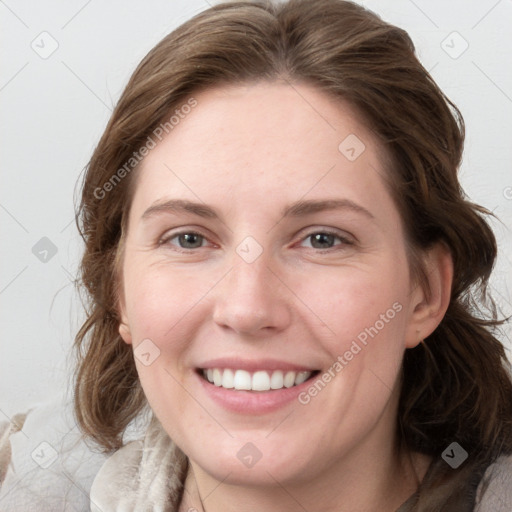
(249, 151)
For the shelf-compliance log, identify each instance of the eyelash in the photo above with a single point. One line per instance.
(345, 241)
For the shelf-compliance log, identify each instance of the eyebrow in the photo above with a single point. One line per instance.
(300, 208)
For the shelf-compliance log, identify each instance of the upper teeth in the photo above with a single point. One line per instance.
(257, 381)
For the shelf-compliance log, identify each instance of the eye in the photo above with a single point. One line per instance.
(186, 240)
(325, 239)
(190, 240)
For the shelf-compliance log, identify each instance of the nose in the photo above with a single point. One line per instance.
(252, 299)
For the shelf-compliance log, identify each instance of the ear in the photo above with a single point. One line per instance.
(124, 327)
(428, 309)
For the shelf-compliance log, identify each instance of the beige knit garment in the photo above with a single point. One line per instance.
(145, 475)
(141, 477)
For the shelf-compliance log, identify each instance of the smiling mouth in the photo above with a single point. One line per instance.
(261, 380)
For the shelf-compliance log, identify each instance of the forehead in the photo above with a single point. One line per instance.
(263, 141)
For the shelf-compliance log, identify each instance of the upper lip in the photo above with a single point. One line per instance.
(252, 365)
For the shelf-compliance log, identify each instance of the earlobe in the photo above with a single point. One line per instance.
(124, 328)
(430, 308)
(125, 333)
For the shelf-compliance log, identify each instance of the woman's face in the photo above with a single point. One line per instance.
(285, 255)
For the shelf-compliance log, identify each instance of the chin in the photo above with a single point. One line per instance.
(241, 462)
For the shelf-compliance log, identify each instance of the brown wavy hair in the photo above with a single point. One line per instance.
(456, 385)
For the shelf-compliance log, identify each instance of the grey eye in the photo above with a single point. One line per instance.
(190, 240)
(322, 240)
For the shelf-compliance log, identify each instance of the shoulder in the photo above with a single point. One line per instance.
(7, 428)
(116, 478)
(45, 465)
(494, 492)
(146, 474)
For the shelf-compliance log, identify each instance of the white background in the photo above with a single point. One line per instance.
(54, 111)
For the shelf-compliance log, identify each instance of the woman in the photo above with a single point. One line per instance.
(282, 268)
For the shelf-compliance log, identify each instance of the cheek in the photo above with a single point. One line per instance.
(355, 303)
(365, 312)
(159, 298)
(160, 305)
(366, 315)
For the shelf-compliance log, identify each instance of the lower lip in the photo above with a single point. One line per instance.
(252, 402)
